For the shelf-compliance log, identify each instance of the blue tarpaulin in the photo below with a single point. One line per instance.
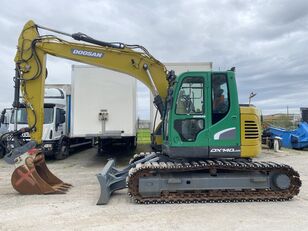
(297, 139)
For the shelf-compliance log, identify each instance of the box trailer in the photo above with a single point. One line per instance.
(155, 119)
(103, 106)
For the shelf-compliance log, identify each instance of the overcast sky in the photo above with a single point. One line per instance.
(267, 41)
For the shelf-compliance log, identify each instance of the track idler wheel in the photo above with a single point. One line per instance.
(32, 176)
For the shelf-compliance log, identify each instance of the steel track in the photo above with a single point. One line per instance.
(152, 168)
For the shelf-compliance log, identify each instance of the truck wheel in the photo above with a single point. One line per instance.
(271, 144)
(100, 146)
(63, 151)
(134, 143)
(104, 145)
(2, 151)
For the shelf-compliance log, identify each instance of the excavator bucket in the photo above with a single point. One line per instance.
(32, 176)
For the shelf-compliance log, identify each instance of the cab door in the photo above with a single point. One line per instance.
(188, 125)
(224, 130)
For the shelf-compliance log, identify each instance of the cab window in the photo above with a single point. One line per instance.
(220, 97)
(190, 101)
(190, 96)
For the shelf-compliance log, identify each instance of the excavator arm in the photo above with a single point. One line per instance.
(30, 60)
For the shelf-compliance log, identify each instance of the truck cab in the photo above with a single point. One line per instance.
(57, 138)
(54, 124)
(54, 127)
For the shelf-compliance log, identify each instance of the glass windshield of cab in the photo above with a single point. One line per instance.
(22, 116)
(190, 97)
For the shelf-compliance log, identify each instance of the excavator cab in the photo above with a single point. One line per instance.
(199, 123)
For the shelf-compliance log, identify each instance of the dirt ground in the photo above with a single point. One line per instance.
(77, 210)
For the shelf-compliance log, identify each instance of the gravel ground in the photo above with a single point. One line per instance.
(77, 209)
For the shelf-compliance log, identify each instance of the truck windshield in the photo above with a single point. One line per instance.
(22, 116)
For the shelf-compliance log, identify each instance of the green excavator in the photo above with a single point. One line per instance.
(208, 138)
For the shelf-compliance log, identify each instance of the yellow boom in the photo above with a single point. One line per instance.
(31, 65)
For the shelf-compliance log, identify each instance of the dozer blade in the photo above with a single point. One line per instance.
(32, 176)
(112, 179)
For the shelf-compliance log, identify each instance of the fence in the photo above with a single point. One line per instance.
(143, 124)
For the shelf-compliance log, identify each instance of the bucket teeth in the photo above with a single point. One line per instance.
(65, 185)
(61, 187)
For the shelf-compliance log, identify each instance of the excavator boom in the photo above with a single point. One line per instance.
(31, 73)
(31, 65)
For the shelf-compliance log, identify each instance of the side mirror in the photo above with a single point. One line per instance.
(60, 117)
(2, 118)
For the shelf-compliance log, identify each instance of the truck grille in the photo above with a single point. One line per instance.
(251, 130)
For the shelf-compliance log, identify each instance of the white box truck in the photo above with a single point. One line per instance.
(99, 105)
(103, 106)
(179, 68)
(57, 137)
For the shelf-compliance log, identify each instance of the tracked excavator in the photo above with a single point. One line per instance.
(208, 139)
